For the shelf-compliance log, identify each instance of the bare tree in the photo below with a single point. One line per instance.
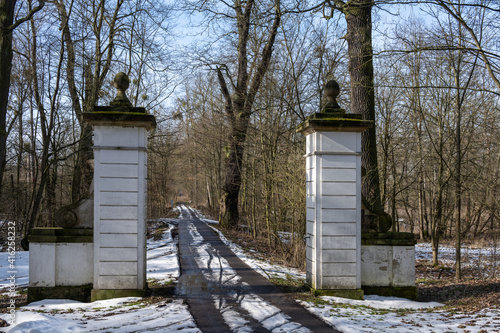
(241, 92)
(7, 25)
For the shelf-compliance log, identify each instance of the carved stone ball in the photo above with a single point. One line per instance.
(121, 81)
(332, 90)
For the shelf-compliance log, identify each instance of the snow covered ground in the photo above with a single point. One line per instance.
(486, 259)
(386, 314)
(115, 315)
(374, 314)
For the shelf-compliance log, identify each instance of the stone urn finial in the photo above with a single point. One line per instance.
(332, 90)
(121, 83)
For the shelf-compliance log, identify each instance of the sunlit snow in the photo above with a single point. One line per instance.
(374, 314)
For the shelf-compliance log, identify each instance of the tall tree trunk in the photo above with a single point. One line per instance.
(229, 214)
(239, 105)
(7, 26)
(359, 41)
(6, 20)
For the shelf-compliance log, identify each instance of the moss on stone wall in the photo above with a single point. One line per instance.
(345, 293)
(388, 238)
(100, 294)
(77, 293)
(61, 235)
(403, 292)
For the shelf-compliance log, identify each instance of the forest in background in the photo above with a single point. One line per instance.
(436, 94)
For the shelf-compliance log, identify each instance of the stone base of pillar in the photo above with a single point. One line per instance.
(101, 294)
(344, 293)
(77, 293)
(61, 263)
(388, 264)
(403, 292)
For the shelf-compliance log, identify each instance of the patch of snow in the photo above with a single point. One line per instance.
(162, 258)
(48, 305)
(357, 319)
(383, 302)
(215, 267)
(20, 269)
(374, 314)
(231, 317)
(267, 314)
(195, 235)
(113, 316)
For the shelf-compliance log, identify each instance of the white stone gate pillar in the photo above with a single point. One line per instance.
(333, 164)
(120, 172)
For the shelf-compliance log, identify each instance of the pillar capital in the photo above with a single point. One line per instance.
(120, 112)
(332, 117)
(334, 122)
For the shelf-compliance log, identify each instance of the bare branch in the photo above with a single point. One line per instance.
(28, 17)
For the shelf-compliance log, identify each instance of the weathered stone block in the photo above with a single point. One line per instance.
(339, 215)
(118, 212)
(340, 142)
(116, 282)
(344, 293)
(74, 264)
(338, 175)
(339, 188)
(340, 229)
(118, 254)
(112, 136)
(118, 185)
(118, 226)
(339, 256)
(376, 266)
(338, 243)
(338, 201)
(403, 265)
(42, 264)
(118, 240)
(77, 293)
(119, 156)
(339, 282)
(60, 264)
(338, 269)
(388, 266)
(339, 161)
(119, 170)
(117, 268)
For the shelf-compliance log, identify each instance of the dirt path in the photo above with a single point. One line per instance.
(225, 295)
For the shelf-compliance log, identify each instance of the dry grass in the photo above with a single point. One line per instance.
(473, 293)
(291, 254)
